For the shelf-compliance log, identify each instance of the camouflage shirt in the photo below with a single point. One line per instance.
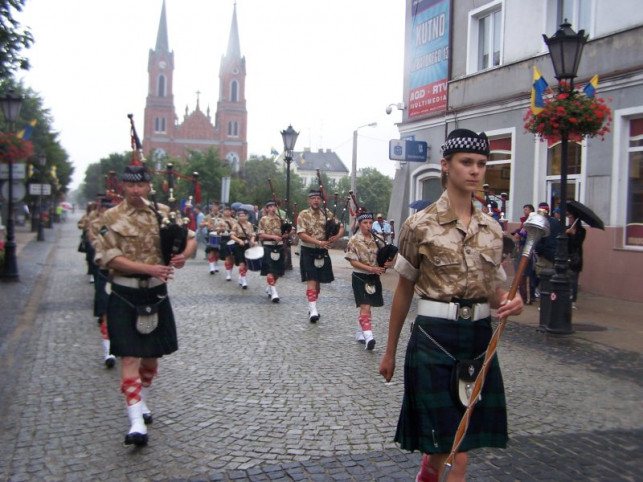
(238, 229)
(132, 233)
(269, 225)
(447, 260)
(225, 225)
(363, 249)
(313, 223)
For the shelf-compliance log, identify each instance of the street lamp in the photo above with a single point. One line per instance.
(42, 162)
(11, 105)
(354, 163)
(565, 49)
(289, 137)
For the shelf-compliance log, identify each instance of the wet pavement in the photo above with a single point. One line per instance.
(256, 392)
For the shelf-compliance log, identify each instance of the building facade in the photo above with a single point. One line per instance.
(165, 136)
(469, 64)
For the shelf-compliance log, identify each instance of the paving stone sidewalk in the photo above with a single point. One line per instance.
(255, 392)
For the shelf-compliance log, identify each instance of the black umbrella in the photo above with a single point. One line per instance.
(582, 212)
(419, 204)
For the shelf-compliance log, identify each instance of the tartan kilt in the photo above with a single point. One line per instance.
(125, 340)
(359, 291)
(100, 295)
(429, 417)
(240, 253)
(269, 265)
(307, 267)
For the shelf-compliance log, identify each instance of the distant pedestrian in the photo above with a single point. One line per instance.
(450, 254)
(361, 253)
(244, 235)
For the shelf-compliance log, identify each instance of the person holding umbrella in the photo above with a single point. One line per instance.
(575, 238)
(450, 254)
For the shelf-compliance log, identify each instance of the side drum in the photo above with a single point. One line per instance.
(214, 240)
(254, 256)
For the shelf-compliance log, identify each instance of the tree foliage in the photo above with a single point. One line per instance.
(374, 190)
(13, 38)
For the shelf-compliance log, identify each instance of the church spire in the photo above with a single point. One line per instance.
(234, 49)
(162, 43)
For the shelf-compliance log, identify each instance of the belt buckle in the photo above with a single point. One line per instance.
(465, 312)
(143, 283)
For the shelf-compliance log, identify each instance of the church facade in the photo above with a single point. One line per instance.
(164, 136)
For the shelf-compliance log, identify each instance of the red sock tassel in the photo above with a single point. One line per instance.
(228, 264)
(242, 271)
(103, 329)
(270, 278)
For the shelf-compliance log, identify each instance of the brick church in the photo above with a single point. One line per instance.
(164, 135)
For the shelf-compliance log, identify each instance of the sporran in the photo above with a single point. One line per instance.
(147, 318)
(369, 288)
(463, 378)
(319, 261)
(275, 254)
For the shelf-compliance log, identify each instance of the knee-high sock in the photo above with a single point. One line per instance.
(242, 270)
(311, 295)
(270, 278)
(228, 264)
(365, 321)
(103, 328)
(131, 388)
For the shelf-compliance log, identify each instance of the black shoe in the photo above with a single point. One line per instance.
(147, 418)
(135, 438)
(275, 300)
(371, 344)
(313, 318)
(110, 362)
(211, 272)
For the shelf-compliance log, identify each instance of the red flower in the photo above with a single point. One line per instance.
(14, 149)
(572, 113)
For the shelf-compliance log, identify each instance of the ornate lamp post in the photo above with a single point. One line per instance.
(565, 49)
(11, 109)
(289, 137)
(42, 162)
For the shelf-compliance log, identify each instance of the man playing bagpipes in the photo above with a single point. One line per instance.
(361, 253)
(317, 230)
(140, 320)
(273, 264)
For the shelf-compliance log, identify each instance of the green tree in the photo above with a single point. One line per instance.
(96, 174)
(211, 168)
(13, 38)
(374, 190)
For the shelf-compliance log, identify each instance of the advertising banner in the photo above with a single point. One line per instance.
(428, 48)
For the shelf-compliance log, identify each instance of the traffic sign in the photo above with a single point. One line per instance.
(403, 150)
(18, 171)
(17, 193)
(36, 189)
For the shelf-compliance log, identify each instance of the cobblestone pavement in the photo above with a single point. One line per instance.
(255, 392)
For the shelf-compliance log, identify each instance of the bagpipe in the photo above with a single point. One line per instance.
(385, 251)
(113, 188)
(286, 227)
(332, 226)
(173, 231)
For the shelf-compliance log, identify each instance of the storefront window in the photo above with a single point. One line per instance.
(634, 216)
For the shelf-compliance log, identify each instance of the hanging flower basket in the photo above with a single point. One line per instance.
(13, 148)
(573, 113)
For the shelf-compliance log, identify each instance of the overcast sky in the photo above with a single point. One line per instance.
(325, 66)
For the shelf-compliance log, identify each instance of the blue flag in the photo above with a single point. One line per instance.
(591, 88)
(538, 88)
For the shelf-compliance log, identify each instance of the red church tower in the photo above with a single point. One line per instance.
(163, 136)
